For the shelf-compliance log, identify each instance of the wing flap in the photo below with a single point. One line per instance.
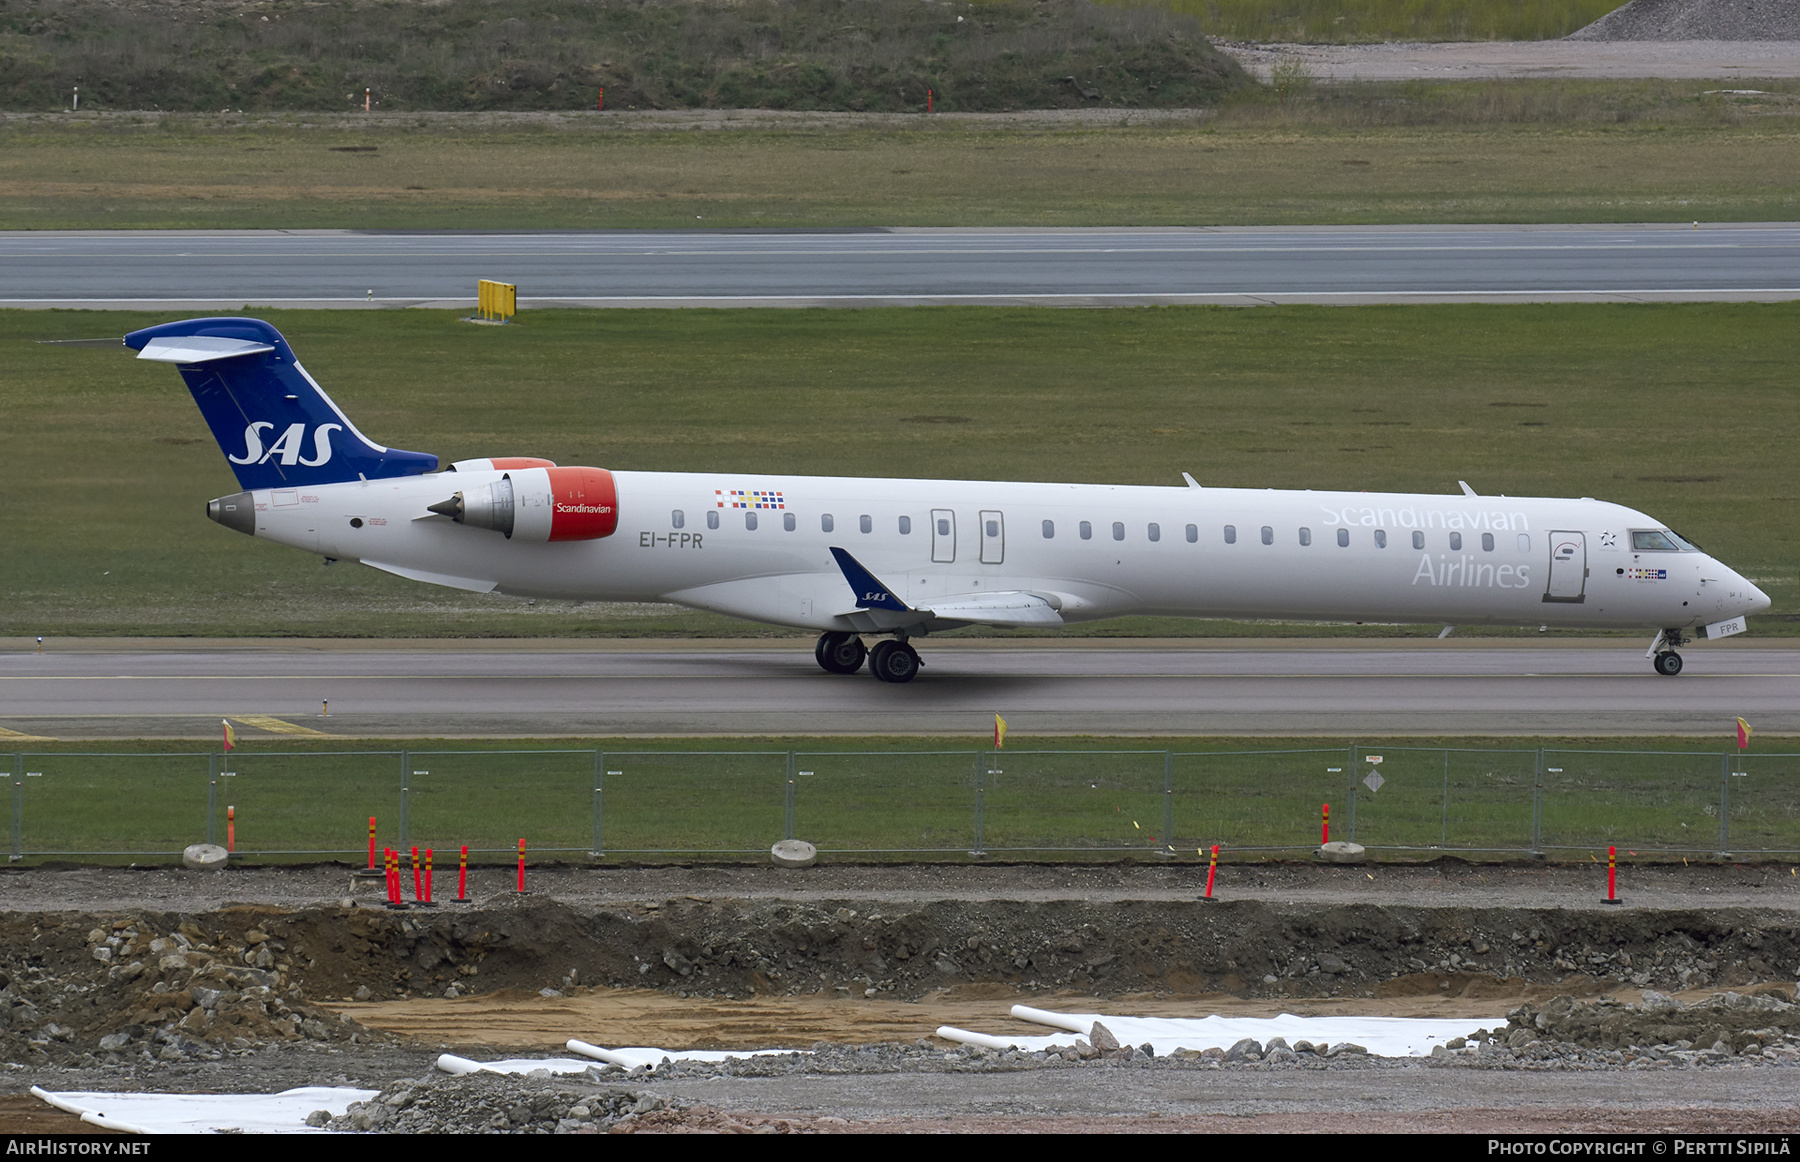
(1016, 609)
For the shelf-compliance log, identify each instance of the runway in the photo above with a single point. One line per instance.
(227, 270)
(774, 688)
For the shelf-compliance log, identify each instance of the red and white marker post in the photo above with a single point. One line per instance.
(230, 829)
(462, 876)
(1325, 826)
(521, 867)
(428, 875)
(1212, 869)
(1612, 877)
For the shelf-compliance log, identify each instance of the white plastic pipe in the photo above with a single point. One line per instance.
(1054, 1020)
(450, 1063)
(952, 1033)
(624, 1060)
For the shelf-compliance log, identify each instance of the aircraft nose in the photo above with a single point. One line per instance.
(1759, 601)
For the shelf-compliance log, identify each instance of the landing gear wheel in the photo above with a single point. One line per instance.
(893, 661)
(1668, 663)
(840, 653)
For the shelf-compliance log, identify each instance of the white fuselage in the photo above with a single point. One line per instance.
(1327, 556)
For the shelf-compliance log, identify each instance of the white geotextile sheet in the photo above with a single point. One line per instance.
(206, 1113)
(1381, 1036)
(592, 1055)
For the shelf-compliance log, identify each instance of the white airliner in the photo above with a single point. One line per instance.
(895, 560)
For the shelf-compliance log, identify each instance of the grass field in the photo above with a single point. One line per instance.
(1683, 411)
(917, 798)
(1515, 151)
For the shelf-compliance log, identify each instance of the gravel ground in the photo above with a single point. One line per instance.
(1710, 60)
(1697, 20)
(231, 982)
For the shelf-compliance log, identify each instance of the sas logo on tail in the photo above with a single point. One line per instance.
(288, 447)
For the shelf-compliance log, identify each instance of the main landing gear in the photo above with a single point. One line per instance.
(843, 653)
(1662, 653)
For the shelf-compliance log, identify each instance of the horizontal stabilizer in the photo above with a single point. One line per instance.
(200, 349)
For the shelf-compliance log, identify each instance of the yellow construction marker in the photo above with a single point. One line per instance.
(277, 726)
(16, 736)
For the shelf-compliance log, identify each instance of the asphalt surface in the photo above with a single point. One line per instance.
(227, 270)
(1605, 688)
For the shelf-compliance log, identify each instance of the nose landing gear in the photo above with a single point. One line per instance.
(1662, 653)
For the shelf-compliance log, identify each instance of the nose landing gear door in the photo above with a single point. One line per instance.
(1568, 568)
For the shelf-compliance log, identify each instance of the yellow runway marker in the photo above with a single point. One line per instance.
(15, 736)
(277, 726)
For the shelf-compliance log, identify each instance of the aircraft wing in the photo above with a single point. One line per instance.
(877, 606)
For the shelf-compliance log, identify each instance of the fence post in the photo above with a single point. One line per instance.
(599, 790)
(980, 799)
(1168, 828)
(18, 811)
(1350, 789)
(405, 788)
(1537, 806)
(212, 795)
(1444, 830)
(1724, 804)
(788, 823)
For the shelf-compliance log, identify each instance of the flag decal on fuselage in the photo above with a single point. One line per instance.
(749, 498)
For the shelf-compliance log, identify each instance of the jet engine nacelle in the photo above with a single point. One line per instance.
(540, 504)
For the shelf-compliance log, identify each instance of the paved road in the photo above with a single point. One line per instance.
(198, 270)
(448, 692)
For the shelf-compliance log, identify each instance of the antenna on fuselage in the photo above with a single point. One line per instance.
(1467, 491)
(1192, 483)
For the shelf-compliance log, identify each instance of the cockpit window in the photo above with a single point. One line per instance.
(1654, 542)
(1686, 544)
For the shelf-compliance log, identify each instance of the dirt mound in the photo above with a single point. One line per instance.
(157, 987)
(1733, 1023)
(152, 988)
(1697, 20)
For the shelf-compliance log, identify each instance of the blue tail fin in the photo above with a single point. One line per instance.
(276, 426)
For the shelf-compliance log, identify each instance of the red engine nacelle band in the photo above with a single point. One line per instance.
(584, 504)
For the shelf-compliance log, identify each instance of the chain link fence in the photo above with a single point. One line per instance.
(978, 802)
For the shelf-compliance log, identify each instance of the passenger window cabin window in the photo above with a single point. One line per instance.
(1118, 530)
(1231, 534)
(1524, 542)
(677, 519)
(993, 528)
(1049, 529)
(1487, 542)
(712, 518)
(750, 520)
(943, 526)
(866, 523)
(826, 524)
(1268, 535)
(906, 526)
(789, 521)
(1418, 540)
(1305, 537)
(1456, 542)
(1343, 538)
(1154, 532)
(1381, 538)
(1193, 534)
(1087, 531)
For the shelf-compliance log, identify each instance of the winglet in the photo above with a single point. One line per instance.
(870, 592)
(1192, 483)
(1467, 491)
